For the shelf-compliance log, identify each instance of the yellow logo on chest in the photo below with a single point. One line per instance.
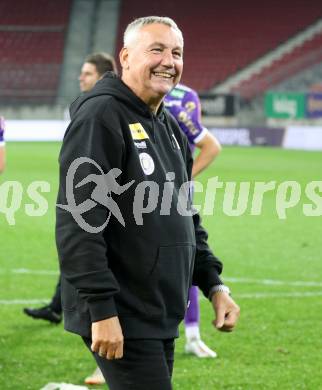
(137, 131)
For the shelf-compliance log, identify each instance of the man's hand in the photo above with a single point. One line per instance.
(227, 311)
(107, 338)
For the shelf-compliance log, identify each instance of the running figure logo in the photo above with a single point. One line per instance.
(106, 185)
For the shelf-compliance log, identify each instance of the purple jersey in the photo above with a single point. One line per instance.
(184, 105)
(1, 130)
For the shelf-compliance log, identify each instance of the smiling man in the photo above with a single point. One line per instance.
(125, 287)
(152, 61)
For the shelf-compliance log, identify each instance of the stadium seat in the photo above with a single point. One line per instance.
(223, 37)
(302, 57)
(32, 42)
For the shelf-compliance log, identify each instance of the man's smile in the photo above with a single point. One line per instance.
(164, 75)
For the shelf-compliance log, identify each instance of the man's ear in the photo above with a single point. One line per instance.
(124, 58)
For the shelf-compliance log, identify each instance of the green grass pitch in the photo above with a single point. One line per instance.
(278, 342)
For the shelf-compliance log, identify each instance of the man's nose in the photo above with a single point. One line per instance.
(167, 59)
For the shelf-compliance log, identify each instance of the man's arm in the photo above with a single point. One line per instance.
(82, 253)
(209, 149)
(188, 116)
(208, 267)
(2, 158)
(206, 275)
(207, 143)
(207, 272)
(83, 259)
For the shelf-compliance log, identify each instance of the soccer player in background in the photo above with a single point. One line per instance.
(2, 145)
(184, 104)
(93, 69)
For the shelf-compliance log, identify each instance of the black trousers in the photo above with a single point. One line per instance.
(146, 365)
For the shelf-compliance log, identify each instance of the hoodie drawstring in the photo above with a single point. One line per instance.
(172, 137)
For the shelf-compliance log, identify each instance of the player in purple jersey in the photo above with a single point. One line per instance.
(2, 145)
(184, 104)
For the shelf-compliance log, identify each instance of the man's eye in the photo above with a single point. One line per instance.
(177, 54)
(157, 50)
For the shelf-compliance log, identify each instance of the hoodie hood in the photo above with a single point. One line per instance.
(112, 85)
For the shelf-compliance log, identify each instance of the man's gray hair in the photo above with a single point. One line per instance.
(137, 24)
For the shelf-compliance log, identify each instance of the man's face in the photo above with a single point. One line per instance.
(153, 62)
(88, 77)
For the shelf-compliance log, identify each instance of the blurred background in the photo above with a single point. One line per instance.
(257, 65)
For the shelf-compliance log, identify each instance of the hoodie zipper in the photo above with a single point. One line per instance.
(172, 137)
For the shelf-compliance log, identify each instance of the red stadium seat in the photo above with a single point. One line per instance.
(32, 45)
(222, 37)
(301, 57)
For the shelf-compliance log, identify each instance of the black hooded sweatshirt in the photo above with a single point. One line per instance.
(141, 265)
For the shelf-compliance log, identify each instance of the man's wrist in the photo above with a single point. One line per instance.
(218, 288)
